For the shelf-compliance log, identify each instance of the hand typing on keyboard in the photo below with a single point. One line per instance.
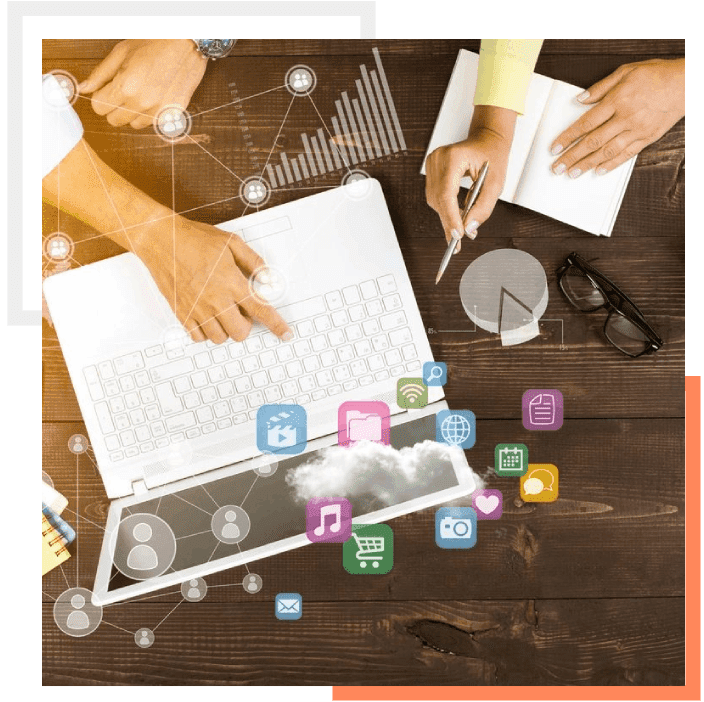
(210, 293)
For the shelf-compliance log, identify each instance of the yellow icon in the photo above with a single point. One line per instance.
(540, 483)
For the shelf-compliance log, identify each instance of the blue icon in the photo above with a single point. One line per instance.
(288, 605)
(456, 428)
(282, 428)
(434, 373)
(455, 527)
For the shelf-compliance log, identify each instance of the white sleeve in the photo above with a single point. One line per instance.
(61, 127)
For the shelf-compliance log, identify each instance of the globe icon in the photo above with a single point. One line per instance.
(455, 429)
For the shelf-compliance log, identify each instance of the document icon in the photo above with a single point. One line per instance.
(288, 605)
(358, 421)
(542, 409)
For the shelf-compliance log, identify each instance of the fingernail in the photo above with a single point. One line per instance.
(575, 173)
(471, 228)
(601, 171)
(556, 149)
(287, 336)
(455, 234)
(559, 169)
(583, 96)
(473, 234)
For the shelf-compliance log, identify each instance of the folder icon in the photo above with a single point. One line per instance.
(363, 426)
(288, 605)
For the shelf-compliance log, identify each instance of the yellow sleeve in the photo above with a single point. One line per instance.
(505, 69)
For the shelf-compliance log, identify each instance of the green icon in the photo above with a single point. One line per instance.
(510, 459)
(370, 550)
(411, 393)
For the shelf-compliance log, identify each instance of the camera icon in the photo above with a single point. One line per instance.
(451, 528)
(455, 527)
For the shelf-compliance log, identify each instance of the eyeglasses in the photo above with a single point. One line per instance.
(589, 290)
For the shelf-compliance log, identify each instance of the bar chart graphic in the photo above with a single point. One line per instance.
(366, 127)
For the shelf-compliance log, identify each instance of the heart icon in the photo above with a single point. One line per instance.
(487, 503)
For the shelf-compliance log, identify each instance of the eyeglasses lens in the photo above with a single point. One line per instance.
(625, 335)
(581, 290)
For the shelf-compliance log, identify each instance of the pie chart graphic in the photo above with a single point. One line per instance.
(505, 292)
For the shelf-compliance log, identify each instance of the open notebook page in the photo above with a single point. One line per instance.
(456, 115)
(589, 202)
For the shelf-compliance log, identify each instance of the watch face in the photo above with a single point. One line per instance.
(216, 48)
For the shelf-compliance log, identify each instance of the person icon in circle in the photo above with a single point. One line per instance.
(252, 584)
(194, 592)
(142, 556)
(144, 638)
(144, 641)
(230, 530)
(78, 444)
(77, 620)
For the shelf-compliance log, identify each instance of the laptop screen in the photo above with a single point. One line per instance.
(275, 505)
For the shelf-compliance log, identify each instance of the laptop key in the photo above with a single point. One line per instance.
(368, 288)
(350, 385)
(311, 363)
(221, 409)
(171, 370)
(127, 383)
(392, 357)
(387, 284)
(393, 320)
(374, 307)
(357, 313)
(137, 416)
(182, 384)
(334, 300)
(238, 404)
(392, 302)
(259, 380)
(376, 362)
(334, 389)
(191, 400)
(153, 351)
(112, 388)
(104, 418)
(158, 429)
(193, 433)
(239, 419)
(94, 387)
(112, 443)
(358, 367)
(161, 443)
(152, 412)
(178, 438)
(117, 405)
(318, 395)
(106, 370)
(131, 452)
(121, 422)
(267, 359)
(169, 403)
(290, 387)
(219, 355)
(216, 374)
(129, 363)
(366, 380)
(397, 370)
(208, 428)
(132, 400)
(319, 343)
(224, 423)
(127, 438)
(351, 295)
(382, 375)
(256, 398)
(181, 421)
(243, 385)
(117, 456)
(142, 433)
(306, 383)
(400, 336)
(413, 365)
(208, 395)
(305, 328)
(147, 395)
(328, 358)
(273, 394)
(409, 352)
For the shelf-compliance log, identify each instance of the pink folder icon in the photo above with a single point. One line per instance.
(360, 421)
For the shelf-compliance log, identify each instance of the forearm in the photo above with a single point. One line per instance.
(87, 188)
(497, 120)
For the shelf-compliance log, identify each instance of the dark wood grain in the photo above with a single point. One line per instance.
(463, 642)
(60, 49)
(586, 591)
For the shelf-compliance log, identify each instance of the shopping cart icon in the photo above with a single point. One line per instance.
(368, 547)
(370, 543)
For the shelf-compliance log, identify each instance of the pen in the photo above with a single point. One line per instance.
(472, 196)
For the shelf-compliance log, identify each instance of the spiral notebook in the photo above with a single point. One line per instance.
(54, 551)
(590, 202)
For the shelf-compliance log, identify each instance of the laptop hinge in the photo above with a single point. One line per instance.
(139, 487)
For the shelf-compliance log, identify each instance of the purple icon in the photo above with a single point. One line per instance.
(488, 504)
(542, 409)
(328, 519)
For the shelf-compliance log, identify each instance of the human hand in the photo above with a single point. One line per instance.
(637, 104)
(207, 283)
(489, 140)
(139, 77)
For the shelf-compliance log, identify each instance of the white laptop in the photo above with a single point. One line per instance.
(173, 423)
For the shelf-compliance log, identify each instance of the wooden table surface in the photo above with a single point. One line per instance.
(588, 590)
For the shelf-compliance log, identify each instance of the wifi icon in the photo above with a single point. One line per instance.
(411, 393)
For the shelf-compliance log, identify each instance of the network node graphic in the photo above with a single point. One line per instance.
(145, 546)
(78, 444)
(60, 92)
(358, 184)
(230, 524)
(265, 465)
(505, 292)
(194, 590)
(144, 638)
(252, 583)
(75, 614)
(172, 123)
(301, 80)
(254, 191)
(58, 247)
(268, 285)
(47, 479)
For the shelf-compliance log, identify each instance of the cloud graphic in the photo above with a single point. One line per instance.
(376, 474)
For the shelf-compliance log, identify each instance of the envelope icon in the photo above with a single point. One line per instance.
(288, 605)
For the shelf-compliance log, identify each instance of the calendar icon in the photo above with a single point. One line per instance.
(511, 459)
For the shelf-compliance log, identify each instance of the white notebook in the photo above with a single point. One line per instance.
(590, 202)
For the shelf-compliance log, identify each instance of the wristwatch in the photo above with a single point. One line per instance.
(214, 48)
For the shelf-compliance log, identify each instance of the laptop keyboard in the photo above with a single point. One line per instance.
(180, 390)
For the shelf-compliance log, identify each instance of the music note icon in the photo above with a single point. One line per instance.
(337, 512)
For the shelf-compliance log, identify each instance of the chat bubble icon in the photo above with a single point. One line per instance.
(540, 483)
